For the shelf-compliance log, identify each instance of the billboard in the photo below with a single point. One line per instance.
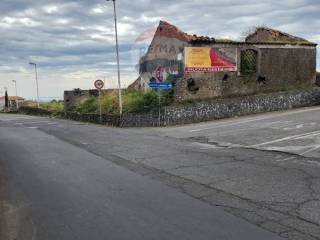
(204, 59)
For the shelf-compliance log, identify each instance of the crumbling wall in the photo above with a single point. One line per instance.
(279, 68)
(76, 96)
(206, 110)
(318, 79)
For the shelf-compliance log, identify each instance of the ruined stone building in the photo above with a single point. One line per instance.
(203, 67)
(74, 97)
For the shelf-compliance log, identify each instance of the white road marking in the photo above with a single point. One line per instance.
(311, 150)
(286, 159)
(225, 125)
(287, 138)
(205, 145)
(217, 125)
(314, 162)
(36, 122)
(308, 136)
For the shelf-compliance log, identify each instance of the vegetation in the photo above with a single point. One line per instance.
(54, 105)
(133, 102)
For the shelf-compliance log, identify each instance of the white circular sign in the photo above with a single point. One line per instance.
(99, 84)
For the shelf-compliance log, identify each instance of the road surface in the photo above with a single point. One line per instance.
(254, 177)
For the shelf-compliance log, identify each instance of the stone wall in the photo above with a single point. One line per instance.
(201, 111)
(35, 111)
(76, 96)
(318, 79)
(279, 68)
(109, 120)
(240, 106)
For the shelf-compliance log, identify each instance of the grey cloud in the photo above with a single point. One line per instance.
(74, 38)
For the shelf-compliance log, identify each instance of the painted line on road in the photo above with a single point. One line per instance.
(287, 138)
(286, 159)
(304, 162)
(311, 150)
(302, 154)
(205, 145)
(52, 123)
(314, 162)
(217, 125)
(310, 135)
(226, 125)
(36, 122)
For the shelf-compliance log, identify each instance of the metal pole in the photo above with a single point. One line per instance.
(118, 58)
(38, 101)
(100, 108)
(36, 72)
(159, 98)
(17, 101)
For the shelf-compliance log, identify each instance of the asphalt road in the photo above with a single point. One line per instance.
(57, 190)
(241, 178)
(296, 132)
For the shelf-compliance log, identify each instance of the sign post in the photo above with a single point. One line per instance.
(160, 86)
(159, 73)
(159, 107)
(99, 85)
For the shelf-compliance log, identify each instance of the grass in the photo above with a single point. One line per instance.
(132, 101)
(54, 105)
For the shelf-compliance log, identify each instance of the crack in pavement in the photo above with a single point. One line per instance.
(282, 218)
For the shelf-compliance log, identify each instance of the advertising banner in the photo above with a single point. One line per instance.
(204, 59)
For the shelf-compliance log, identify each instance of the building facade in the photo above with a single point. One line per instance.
(203, 67)
(13, 102)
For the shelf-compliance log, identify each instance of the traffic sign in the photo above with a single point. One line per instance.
(164, 86)
(159, 73)
(99, 84)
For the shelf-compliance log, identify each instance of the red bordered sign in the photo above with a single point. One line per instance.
(159, 74)
(98, 84)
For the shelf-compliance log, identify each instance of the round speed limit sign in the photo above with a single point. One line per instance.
(98, 84)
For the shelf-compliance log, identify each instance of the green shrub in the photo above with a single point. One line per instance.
(54, 105)
(132, 102)
(140, 101)
(90, 105)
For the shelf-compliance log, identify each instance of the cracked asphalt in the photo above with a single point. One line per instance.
(264, 169)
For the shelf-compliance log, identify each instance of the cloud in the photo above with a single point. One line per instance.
(73, 41)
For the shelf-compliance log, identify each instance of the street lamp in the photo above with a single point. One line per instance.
(36, 72)
(117, 50)
(17, 101)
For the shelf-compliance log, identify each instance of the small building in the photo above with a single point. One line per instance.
(76, 96)
(14, 101)
(204, 67)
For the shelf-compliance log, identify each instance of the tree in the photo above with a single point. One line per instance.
(6, 99)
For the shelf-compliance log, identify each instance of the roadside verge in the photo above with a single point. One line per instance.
(197, 112)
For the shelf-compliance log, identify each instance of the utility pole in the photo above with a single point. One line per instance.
(17, 101)
(118, 58)
(36, 72)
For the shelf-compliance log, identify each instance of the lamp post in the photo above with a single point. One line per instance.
(17, 101)
(36, 72)
(117, 50)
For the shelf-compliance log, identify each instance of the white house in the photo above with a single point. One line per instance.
(13, 101)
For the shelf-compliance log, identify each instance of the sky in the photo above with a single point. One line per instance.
(73, 42)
